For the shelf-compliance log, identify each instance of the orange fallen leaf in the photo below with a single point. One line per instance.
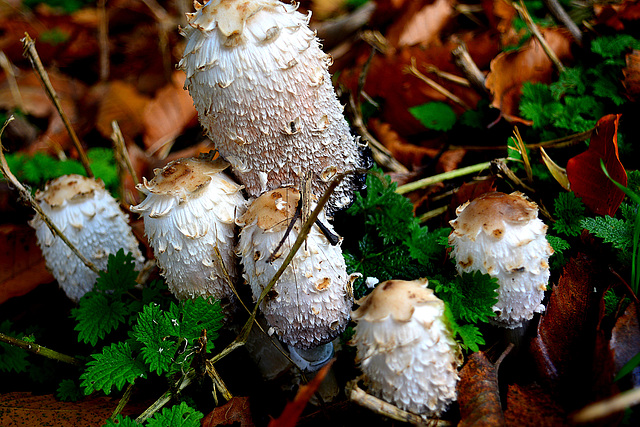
(617, 15)
(585, 175)
(631, 74)
(479, 393)
(235, 411)
(22, 267)
(421, 23)
(122, 102)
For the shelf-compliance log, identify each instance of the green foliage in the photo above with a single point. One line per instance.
(569, 212)
(54, 36)
(469, 335)
(103, 309)
(69, 391)
(35, 170)
(115, 366)
(12, 358)
(178, 415)
(612, 230)
(435, 115)
(470, 296)
(68, 6)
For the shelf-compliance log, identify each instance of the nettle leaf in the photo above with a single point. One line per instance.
(197, 314)
(470, 296)
(181, 415)
(558, 244)
(12, 358)
(120, 275)
(570, 82)
(612, 230)
(569, 212)
(120, 421)
(115, 366)
(470, 337)
(154, 330)
(97, 315)
(69, 391)
(614, 46)
(424, 245)
(102, 163)
(435, 115)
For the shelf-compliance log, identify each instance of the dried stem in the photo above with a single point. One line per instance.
(123, 400)
(522, 149)
(465, 62)
(29, 46)
(121, 150)
(561, 15)
(425, 182)
(413, 70)
(166, 397)
(13, 84)
(103, 39)
(26, 194)
(524, 14)
(432, 214)
(607, 407)
(461, 81)
(42, 351)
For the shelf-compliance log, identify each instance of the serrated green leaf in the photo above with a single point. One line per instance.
(470, 296)
(558, 244)
(181, 415)
(569, 212)
(153, 329)
(97, 315)
(115, 366)
(424, 245)
(612, 230)
(471, 337)
(120, 275)
(103, 166)
(69, 391)
(12, 358)
(614, 46)
(196, 315)
(121, 421)
(435, 115)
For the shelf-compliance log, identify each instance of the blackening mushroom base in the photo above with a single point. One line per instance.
(261, 85)
(189, 212)
(310, 304)
(92, 220)
(405, 349)
(501, 235)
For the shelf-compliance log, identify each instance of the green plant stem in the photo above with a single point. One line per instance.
(416, 185)
(166, 397)
(42, 351)
(123, 401)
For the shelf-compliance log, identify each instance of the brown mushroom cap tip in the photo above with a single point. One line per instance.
(395, 298)
(67, 188)
(491, 211)
(272, 208)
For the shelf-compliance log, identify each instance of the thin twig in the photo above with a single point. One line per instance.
(432, 214)
(42, 351)
(103, 39)
(465, 62)
(166, 397)
(524, 14)
(13, 84)
(607, 407)
(561, 15)
(29, 46)
(123, 400)
(425, 182)
(522, 149)
(413, 70)
(217, 381)
(461, 81)
(26, 194)
(121, 150)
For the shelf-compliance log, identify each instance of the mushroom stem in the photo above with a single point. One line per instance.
(312, 359)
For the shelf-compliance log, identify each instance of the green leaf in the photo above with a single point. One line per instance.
(97, 315)
(435, 115)
(470, 336)
(424, 245)
(12, 358)
(103, 166)
(69, 391)
(614, 46)
(115, 366)
(121, 421)
(470, 296)
(569, 211)
(197, 314)
(120, 275)
(153, 329)
(181, 415)
(628, 367)
(612, 230)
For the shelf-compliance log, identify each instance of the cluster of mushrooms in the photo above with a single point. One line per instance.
(261, 85)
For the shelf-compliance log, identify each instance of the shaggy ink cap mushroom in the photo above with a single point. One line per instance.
(405, 348)
(92, 221)
(501, 235)
(260, 83)
(309, 305)
(190, 210)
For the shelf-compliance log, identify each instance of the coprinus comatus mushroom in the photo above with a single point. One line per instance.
(501, 235)
(189, 216)
(262, 89)
(405, 348)
(92, 221)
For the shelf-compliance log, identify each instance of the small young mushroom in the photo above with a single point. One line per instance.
(92, 220)
(261, 86)
(501, 235)
(189, 212)
(309, 305)
(405, 348)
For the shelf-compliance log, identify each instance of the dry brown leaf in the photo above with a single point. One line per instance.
(617, 15)
(237, 411)
(631, 73)
(421, 23)
(509, 70)
(479, 393)
(166, 115)
(122, 102)
(531, 406)
(625, 341)
(22, 267)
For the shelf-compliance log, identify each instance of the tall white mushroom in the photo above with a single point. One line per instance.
(310, 304)
(501, 235)
(92, 220)
(189, 212)
(405, 348)
(261, 85)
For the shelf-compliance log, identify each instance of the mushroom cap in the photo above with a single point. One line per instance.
(405, 348)
(310, 303)
(501, 235)
(92, 220)
(189, 213)
(261, 86)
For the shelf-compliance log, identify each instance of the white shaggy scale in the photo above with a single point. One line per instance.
(261, 86)
(501, 235)
(189, 211)
(405, 349)
(92, 220)
(310, 304)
